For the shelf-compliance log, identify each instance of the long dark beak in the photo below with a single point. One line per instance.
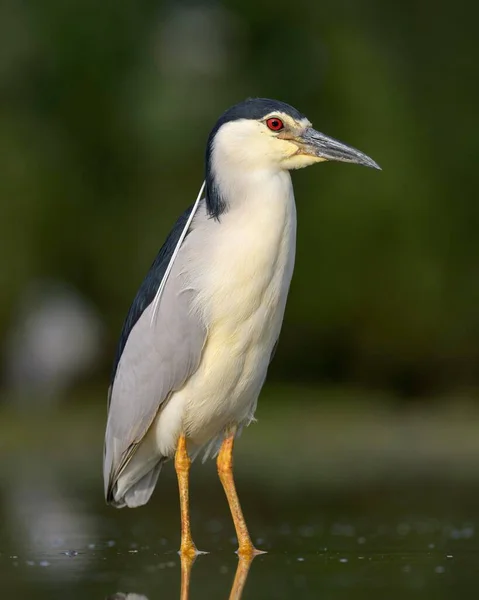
(322, 146)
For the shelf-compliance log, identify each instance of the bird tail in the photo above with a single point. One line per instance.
(139, 492)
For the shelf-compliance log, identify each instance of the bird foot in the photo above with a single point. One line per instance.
(249, 551)
(188, 550)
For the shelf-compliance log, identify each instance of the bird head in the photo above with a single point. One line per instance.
(267, 134)
(261, 135)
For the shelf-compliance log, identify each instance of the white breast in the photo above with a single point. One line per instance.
(244, 281)
(242, 275)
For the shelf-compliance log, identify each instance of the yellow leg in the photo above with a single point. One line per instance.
(182, 466)
(225, 472)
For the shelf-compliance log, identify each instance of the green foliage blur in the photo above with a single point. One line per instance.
(104, 113)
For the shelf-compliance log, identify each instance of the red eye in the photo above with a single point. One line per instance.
(275, 124)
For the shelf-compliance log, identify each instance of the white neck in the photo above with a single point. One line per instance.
(245, 166)
(246, 188)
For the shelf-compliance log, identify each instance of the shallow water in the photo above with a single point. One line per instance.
(380, 505)
(316, 548)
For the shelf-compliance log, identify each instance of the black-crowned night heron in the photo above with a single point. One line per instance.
(199, 336)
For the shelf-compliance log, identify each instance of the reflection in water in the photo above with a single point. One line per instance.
(121, 596)
(239, 582)
(237, 588)
(186, 566)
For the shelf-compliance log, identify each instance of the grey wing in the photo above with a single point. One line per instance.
(157, 358)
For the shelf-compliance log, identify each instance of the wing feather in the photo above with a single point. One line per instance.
(155, 355)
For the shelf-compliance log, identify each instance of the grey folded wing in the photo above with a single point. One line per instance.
(155, 356)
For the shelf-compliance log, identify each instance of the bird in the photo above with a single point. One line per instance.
(203, 327)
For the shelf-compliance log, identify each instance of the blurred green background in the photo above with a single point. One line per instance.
(105, 109)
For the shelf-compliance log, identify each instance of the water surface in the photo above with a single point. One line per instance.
(352, 505)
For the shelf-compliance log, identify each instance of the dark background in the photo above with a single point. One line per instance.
(368, 423)
(105, 109)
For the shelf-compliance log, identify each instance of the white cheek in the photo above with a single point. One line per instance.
(249, 145)
(299, 161)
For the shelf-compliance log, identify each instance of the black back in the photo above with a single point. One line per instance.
(252, 108)
(145, 295)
